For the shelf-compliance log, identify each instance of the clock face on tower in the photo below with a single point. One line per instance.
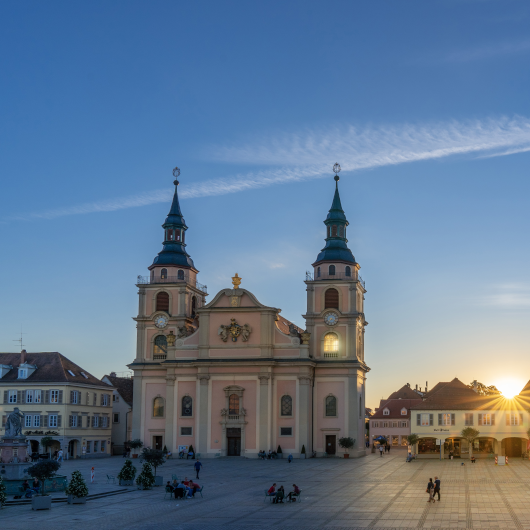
(161, 321)
(331, 319)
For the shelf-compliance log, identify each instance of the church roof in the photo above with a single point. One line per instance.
(52, 367)
(283, 325)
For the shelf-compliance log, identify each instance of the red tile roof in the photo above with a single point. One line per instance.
(405, 392)
(395, 406)
(283, 325)
(124, 386)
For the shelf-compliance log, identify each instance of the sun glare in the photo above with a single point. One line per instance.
(510, 387)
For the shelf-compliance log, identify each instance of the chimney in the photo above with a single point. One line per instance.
(475, 386)
(416, 388)
(113, 374)
(22, 356)
(408, 384)
(426, 386)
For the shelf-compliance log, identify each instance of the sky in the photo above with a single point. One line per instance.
(424, 104)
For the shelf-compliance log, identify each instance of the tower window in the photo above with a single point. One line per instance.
(331, 299)
(180, 274)
(160, 345)
(158, 407)
(170, 234)
(334, 231)
(187, 406)
(287, 406)
(332, 270)
(318, 272)
(162, 302)
(340, 231)
(331, 406)
(331, 343)
(177, 235)
(233, 404)
(348, 271)
(163, 274)
(329, 231)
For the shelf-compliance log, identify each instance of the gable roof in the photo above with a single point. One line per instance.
(283, 325)
(395, 406)
(405, 392)
(52, 367)
(124, 386)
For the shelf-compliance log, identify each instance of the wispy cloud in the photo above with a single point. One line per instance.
(490, 50)
(509, 296)
(309, 155)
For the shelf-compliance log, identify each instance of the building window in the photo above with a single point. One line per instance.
(36, 420)
(95, 421)
(160, 345)
(428, 446)
(27, 421)
(340, 230)
(332, 270)
(22, 373)
(105, 400)
(375, 424)
(37, 396)
(403, 411)
(158, 407)
(54, 396)
(96, 446)
(348, 270)
(12, 396)
(385, 424)
(52, 420)
(163, 273)
(334, 231)
(73, 421)
(331, 345)
(394, 424)
(286, 431)
(424, 420)
(187, 406)
(103, 445)
(29, 396)
(446, 419)
(233, 404)
(468, 420)
(116, 417)
(402, 423)
(486, 419)
(386, 412)
(318, 272)
(287, 406)
(88, 446)
(162, 302)
(331, 299)
(186, 431)
(331, 406)
(514, 418)
(180, 274)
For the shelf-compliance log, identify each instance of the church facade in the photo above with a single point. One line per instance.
(231, 376)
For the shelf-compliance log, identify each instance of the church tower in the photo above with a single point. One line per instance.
(335, 318)
(171, 295)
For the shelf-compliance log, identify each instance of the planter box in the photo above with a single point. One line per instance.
(135, 456)
(159, 481)
(41, 503)
(127, 482)
(279, 455)
(346, 455)
(72, 499)
(302, 455)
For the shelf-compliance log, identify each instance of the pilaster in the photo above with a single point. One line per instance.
(305, 421)
(263, 411)
(204, 383)
(170, 409)
(137, 426)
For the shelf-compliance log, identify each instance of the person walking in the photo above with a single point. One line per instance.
(197, 467)
(290, 458)
(60, 455)
(380, 450)
(430, 490)
(436, 488)
(389, 448)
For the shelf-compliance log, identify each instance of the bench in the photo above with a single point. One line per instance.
(199, 490)
(169, 490)
(111, 478)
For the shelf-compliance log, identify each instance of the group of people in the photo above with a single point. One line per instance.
(189, 454)
(433, 488)
(384, 448)
(279, 494)
(272, 454)
(188, 487)
(30, 490)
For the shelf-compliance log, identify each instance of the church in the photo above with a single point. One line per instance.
(230, 376)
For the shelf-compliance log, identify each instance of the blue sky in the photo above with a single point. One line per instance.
(424, 104)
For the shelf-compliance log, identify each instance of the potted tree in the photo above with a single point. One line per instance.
(43, 471)
(279, 453)
(346, 443)
(156, 458)
(46, 442)
(146, 479)
(190, 450)
(135, 444)
(3, 495)
(127, 474)
(302, 452)
(77, 490)
(470, 435)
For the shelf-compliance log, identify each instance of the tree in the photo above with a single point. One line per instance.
(154, 457)
(44, 471)
(146, 479)
(483, 390)
(279, 451)
(413, 439)
(127, 472)
(77, 486)
(46, 441)
(346, 443)
(3, 495)
(191, 449)
(470, 434)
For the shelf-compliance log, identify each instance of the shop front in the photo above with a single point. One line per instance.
(428, 447)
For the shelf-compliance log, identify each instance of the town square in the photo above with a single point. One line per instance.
(265, 264)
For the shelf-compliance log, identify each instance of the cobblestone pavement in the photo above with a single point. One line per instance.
(372, 492)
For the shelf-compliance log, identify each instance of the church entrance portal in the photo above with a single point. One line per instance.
(234, 441)
(331, 447)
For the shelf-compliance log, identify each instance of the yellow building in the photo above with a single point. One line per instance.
(59, 400)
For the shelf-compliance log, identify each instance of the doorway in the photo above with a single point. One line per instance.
(513, 447)
(234, 441)
(72, 448)
(331, 444)
(157, 443)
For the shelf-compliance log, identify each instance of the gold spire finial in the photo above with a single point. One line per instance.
(236, 281)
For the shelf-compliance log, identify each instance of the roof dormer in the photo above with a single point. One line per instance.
(403, 411)
(25, 370)
(386, 412)
(4, 369)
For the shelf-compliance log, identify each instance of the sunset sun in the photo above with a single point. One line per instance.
(510, 387)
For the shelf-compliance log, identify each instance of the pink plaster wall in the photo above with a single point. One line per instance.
(286, 353)
(152, 390)
(285, 387)
(323, 389)
(186, 354)
(249, 402)
(218, 402)
(252, 319)
(281, 338)
(224, 301)
(183, 388)
(246, 301)
(192, 339)
(240, 352)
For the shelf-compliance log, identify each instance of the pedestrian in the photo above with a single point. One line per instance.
(380, 450)
(290, 458)
(436, 487)
(430, 490)
(124, 451)
(389, 448)
(60, 455)
(197, 467)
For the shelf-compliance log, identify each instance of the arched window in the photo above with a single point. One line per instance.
(318, 272)
(233, 404)
(193, 305)
(334, 231)
(187, 406)
(162, 302)
(160, 345)
(158, 407)
(177, 235)
(329, 231)
(348, 270)
(170, 234)
(331, 343)
(180, 274)
(340, 230)
(331, 406)
(163, 274)
(331, 299)
(287, 406)
(332, 270)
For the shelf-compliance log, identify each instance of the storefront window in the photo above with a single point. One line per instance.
(484, 445)
(427, 446)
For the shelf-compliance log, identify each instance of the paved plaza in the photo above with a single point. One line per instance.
(372, 492)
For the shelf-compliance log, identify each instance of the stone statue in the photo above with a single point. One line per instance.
(246, 330)
(14, 423)
(293, 332)
(182, 332)
(223, 331)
